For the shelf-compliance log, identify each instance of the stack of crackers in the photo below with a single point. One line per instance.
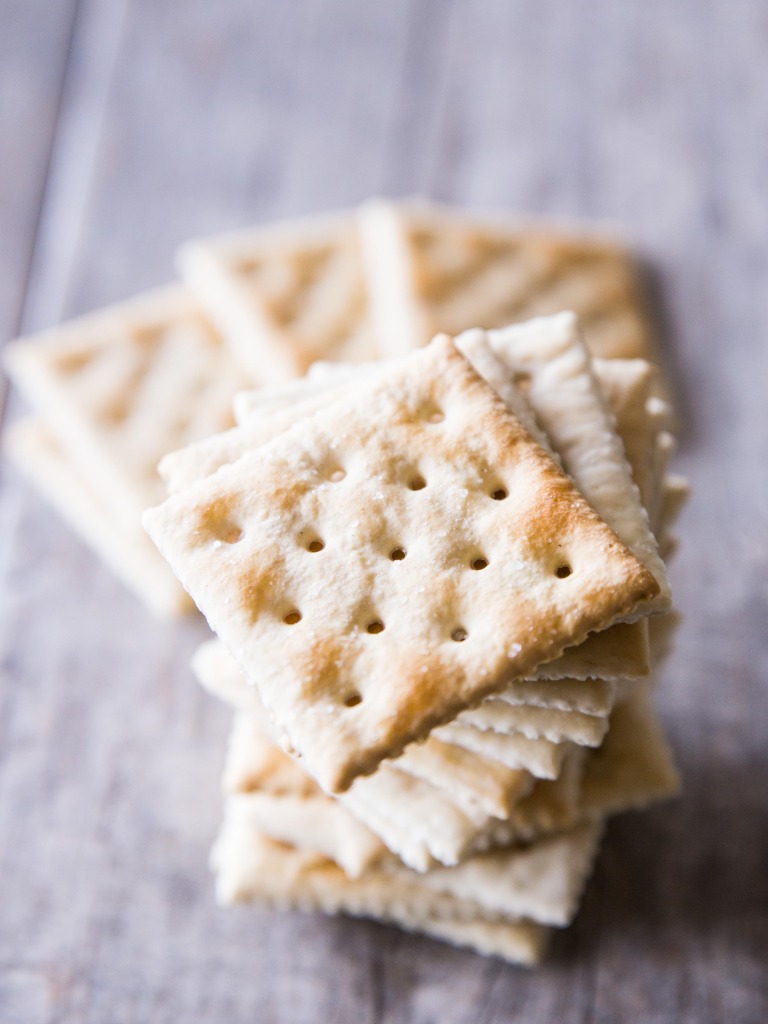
(435, 569)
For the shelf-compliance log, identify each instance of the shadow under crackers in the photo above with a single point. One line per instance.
(668, 349)
(684, 879)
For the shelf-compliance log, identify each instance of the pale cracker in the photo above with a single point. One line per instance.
(623, 376)
(432, 269)
(530, 727)
(620, 652)
(314, 822)
(320, 380)
(541, 882)
(284, 295)
(219, 673)
(470, 781)
(318, 822)
(407, 480)
(538, 756)
(121, 387)
(255, 762)
(518, 942)
(634, 766)
(626, 386)
(421, 823)
(566, 384)
(471, 777)
(527, 352)
(420, 826)
(183, 468)
(417, 821)
(615, 653)
(590, 696)
(551, 806)
(252, 867)
(536, 723)
(661, 413)
(549, 356)
(125, 550)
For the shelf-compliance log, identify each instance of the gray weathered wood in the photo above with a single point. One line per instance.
(174, 119)
(34, 48)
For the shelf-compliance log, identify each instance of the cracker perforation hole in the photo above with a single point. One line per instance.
(397, 554)
(436, 416)
(522, 381)
(227, 533)
(499, 493)
(459, 635)
(353, 700)
(336, 475)
(479, 563)
(417, 483)
(376, 626)
(315, 545)
(292, 617)
(563, 571)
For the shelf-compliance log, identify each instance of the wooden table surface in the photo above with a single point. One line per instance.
(129, 125)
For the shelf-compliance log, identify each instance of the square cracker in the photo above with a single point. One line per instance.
(284, 295)
(561, 388)
(540, 882)
(433, 269)
(250, 867)
(289, 554)
(121, 387)
(125, 550)
(312, 822)
(416, 821)
(469, 780)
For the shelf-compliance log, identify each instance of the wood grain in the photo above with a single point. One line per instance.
(34, 51)
(137, 123)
